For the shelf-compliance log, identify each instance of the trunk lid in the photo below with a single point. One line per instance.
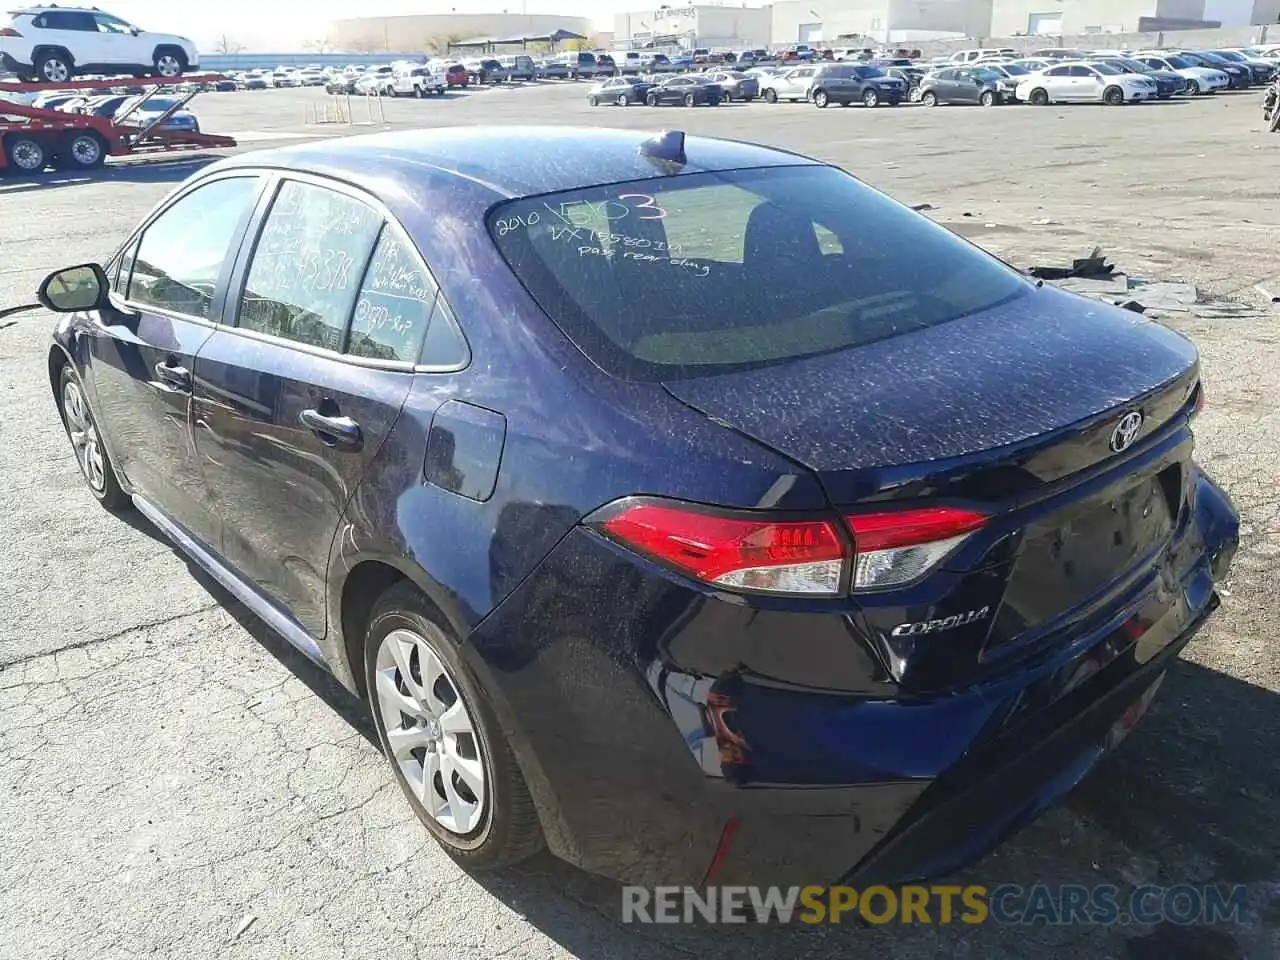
(986, 407)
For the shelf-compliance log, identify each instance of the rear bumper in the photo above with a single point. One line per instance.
(654, 743)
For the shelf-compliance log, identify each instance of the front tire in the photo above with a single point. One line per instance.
(1039, 97)
(1192, 88)
(441, 737)
(169, 62)
(86, 443)
(1113, 96)
(771, 96)
(624, 100)
(651, 100)
(929, 98)
(690, 100)
(593, 101)
(988, 98)
(870, 97)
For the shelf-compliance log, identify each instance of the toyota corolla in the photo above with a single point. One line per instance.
(684, 505)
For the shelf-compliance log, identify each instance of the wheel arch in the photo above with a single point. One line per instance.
(41, 48)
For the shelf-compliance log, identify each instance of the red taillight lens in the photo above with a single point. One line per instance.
(739, 552)
(894, 548)
(9, 32)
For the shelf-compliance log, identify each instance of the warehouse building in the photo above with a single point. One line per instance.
(695, 25)
(904, 21)
(435, 30)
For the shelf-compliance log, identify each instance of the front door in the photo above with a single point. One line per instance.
(295, 396)
(168, 296)
(118, 43)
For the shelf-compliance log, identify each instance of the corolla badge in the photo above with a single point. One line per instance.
(1126, 431)
(944, 623)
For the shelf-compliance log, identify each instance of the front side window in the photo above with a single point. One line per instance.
(183, 251)
(109, 24)
(307, 265)
(701, 273)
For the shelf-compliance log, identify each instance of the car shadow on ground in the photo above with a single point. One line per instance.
(1192, 797)
(168, 170)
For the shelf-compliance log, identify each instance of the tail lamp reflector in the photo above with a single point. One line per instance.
(895, 548)
(759, 555)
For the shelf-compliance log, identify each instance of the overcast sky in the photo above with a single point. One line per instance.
(286, 24)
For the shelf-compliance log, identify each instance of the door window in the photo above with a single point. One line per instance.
(307, 265)
(1082, 72)
(183, 252)
(106, 23)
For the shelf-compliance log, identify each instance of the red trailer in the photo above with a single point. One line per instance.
(33, 138)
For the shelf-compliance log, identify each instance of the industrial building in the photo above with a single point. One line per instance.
(435, 30)
(694, 25)
(904, 21)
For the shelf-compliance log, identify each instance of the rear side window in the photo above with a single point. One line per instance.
(307, 265)
(701, 273)
(177, 267)
(394, 304)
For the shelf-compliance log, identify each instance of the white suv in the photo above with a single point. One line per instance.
(53, 44)
(418, 80)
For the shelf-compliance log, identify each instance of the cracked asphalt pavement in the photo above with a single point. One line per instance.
(176, 781)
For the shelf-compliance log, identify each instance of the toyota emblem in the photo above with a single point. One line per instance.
(1126, 431)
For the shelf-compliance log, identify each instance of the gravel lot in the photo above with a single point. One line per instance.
(171, 771)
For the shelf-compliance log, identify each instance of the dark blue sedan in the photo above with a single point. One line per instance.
(636, 483)
(687, 90)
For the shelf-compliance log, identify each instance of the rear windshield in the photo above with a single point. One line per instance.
(703, 273)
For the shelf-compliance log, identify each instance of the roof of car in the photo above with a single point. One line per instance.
(509, 161)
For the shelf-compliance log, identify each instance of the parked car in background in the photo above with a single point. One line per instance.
(735, 84)
(1240, 76)
(419, 81)
(606, 66)
(792, 84)
(281, 79)
(619, 91)
(1262, 70)
(846, 83)
(682, 63)
(979, 53)
(486, 71)
(456, 75)
(1085, 81)
(256, 81)
(519, 67)
(655, 63)
(976, 84)
(619, 549)
(54, 43)
(1198, 79)
(690, 91)
(582, 65)
(1058, 53)
(1168, 83)
(311, 78)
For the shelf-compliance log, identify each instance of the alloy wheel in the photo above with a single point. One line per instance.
(429, 732)
(167, 65)
(56, 71)
(84, 436)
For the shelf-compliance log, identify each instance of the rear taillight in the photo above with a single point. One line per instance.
(1195, 411)
(897, 547)
(762, 554)
(9, 32)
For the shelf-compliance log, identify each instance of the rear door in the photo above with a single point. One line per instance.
(295, 396)
(169, 291)
(76, 31)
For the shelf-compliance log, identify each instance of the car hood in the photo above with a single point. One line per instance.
(1008, 377)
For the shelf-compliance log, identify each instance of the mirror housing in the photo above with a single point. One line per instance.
(74, 289)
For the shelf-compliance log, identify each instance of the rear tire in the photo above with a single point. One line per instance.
(651, 100)
(85, 151)
(624, 100)
(407, 633)
(820, 99)
(53, 66)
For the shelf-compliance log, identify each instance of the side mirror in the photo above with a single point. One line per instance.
(73, 289)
